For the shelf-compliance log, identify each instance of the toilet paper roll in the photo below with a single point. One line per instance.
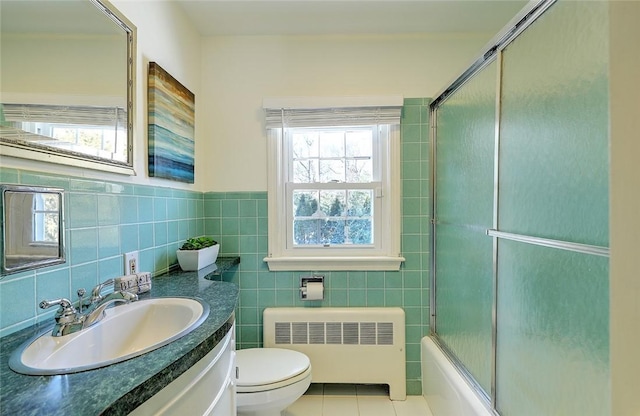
(315, 291)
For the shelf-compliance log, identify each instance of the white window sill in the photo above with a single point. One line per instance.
(334, 263)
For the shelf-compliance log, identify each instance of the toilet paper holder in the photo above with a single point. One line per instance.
(305, 280)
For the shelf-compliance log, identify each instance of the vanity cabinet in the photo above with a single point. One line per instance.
(207, 388)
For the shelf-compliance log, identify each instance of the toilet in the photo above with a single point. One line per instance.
(269, 380)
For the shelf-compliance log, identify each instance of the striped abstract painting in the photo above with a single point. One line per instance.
(171, 127)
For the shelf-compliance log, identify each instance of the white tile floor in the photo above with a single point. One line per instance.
(355, 400)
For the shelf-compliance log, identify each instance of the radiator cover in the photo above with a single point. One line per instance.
(345, 345)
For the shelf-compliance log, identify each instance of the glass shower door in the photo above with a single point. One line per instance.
(521, 218)
(463, 213)
(553, 303)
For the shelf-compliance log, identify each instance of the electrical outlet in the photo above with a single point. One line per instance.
(131, 262)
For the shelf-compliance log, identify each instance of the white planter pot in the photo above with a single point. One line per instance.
(191, 260)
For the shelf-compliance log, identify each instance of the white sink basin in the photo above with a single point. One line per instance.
(125, 332)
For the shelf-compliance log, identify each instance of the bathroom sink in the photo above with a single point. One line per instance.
(125, 332)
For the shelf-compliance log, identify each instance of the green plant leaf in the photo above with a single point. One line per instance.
(198, 243)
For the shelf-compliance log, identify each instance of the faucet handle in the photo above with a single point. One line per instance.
(63, 302)
(66, 313)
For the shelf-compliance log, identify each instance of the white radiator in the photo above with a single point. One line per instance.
(345, 345)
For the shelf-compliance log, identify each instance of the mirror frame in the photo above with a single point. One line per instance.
(53, 155)
(34, 264)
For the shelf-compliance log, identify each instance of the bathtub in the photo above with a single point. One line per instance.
(447, 393)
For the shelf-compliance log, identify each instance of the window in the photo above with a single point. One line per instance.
(334, 181)
(88, 130)
(45, 218)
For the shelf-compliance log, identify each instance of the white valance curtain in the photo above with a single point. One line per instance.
(64, 114)
(326, 112)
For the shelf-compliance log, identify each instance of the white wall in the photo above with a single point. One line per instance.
(624, 202)
(239, 71)
(167, 37)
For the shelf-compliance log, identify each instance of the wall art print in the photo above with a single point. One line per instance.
(171, 108)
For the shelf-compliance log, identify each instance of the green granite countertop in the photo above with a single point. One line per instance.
(120, 388)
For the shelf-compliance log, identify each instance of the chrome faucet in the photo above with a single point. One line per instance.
(95, 311)
(69, 319)
(96, 292)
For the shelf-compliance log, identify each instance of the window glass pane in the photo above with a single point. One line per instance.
(46, 202)
(305, 171)
(90, 137)
(332, 170)
(51, 202)
(359, 143)
(306, 231)
(305, 203)
(109, 140)
(334, 230)
(332, 203)
(64, 134)
(305, 144)
(332, 144)
(359, 203)
(359, 232)
(359, 229)
(359, 170)
(45, 227)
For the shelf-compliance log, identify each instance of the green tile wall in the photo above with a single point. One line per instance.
(103, 221)
(106, 219)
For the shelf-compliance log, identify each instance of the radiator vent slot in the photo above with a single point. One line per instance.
(337, 333)
(316, 333)
(385, 333)
(299, 333)
(368, 333)
(334, 333)
(283, 333)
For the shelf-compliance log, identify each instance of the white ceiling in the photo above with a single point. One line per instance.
(318, 17)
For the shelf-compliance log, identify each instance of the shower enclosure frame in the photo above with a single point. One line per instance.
(493, 52)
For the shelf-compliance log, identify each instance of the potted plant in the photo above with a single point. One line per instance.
(198, 252)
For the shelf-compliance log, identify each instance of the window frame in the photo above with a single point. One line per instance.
(384, 256)
(39, 214)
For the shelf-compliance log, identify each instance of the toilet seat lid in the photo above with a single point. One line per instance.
(265, 366)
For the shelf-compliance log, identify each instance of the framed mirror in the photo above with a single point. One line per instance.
(66, 83)
(32, 227)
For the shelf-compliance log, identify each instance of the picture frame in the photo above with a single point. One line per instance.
(171, 127)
